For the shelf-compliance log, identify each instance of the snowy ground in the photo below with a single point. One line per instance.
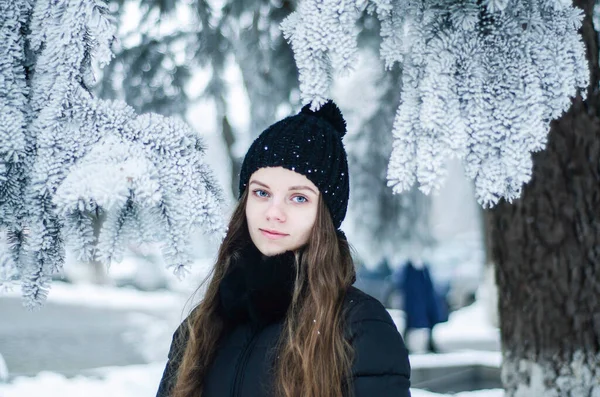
(142, 380)
(99, 296)
(466, 329)
(132, 381)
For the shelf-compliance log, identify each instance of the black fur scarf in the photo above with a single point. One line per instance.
(257, 288)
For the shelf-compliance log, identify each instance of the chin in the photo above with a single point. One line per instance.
(268, 249)
(271, 251)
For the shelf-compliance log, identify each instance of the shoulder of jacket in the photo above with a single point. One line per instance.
(359, 306)
(181, 334)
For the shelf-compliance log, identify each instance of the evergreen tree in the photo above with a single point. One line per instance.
(68, 157)
(483, 81)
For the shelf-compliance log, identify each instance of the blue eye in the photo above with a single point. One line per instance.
(303, 199)
(260, 193)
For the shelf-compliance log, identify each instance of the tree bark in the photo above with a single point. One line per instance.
(546, 248)
(234, 161)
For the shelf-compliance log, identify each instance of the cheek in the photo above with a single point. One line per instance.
(251, 212)
(306, 223)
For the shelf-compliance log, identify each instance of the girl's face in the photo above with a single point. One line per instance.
(281, 209)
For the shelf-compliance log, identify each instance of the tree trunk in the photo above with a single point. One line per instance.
(234, 162)
(546, 248)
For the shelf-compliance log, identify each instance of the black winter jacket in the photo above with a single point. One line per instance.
(243, 365)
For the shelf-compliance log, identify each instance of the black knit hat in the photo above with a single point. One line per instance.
(309, 143)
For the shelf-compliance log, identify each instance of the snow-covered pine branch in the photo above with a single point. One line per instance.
(322, 34)
(14, 116)
(64, 37)
(68, 157)
(13, 86)
(147, 173)
(480, 82)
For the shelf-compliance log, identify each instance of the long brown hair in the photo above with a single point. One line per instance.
(314, 357)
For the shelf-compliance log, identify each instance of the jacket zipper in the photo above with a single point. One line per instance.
(239, 374)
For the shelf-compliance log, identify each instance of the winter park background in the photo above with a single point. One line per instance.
(122, 127)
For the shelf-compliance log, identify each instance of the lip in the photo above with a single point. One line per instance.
(272, 234)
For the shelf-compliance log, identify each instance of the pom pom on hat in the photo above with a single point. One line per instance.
(331, 113)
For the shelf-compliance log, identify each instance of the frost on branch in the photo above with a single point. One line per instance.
(147, 173)
(66, 157)
(479, 82)
(13, 110)
(323, 37)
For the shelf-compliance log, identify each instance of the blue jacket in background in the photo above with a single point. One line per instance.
(423, 306)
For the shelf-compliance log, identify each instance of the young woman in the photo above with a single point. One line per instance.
(280, 316)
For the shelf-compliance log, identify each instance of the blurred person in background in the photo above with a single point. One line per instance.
(423, 306)
(280, 316)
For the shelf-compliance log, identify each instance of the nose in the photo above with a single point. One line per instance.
(275, 212)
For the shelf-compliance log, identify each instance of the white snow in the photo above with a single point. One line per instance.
(85, 293)
(478, 393)
(132, 381)
(462, 358)
(471, 323)
(3, 370)
(106, 296)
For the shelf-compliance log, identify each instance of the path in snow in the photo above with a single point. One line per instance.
(83, 327)
(64, 338)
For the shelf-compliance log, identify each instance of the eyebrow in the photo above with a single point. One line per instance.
(291, 188)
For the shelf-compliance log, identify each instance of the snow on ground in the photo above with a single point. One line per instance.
(132, 381)
(3, 370)
(85, 293)
(456, 359)
(106, 296)
(467, 328)
(478, 393)
(470, 323)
